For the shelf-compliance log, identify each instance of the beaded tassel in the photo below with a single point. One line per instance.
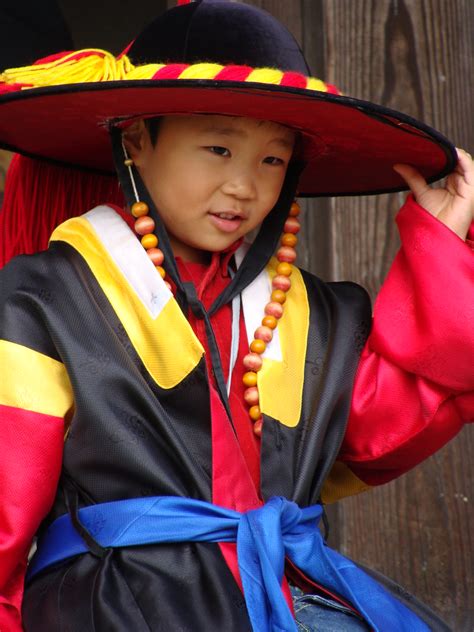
(144, 226)
(281, 283)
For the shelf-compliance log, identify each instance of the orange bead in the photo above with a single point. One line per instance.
(295, 209)
(149, 241)
(263, 333)
(274, 309)
(252, 362)
(156, 256)
(251, 396)
(161, 271)
(281, 282)
(145, 225)
(168, 285)
(292, 225)
(139, 209)
(257, 346)
(254, 412)
(257, 427)
(269, 321)
(285, 253)
(288, 239)
(250, 378)
(284, 268)
(278, 296)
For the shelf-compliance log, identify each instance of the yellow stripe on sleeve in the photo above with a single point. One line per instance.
(33, 381)
(340, 483)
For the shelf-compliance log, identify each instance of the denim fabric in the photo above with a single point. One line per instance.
(315, 613)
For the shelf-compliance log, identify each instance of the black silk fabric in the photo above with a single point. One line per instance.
(220, 32)
(129, 438)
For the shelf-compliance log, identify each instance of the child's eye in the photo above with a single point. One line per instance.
(273, 160)
(220, 151)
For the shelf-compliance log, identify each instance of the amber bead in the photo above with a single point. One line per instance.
(292, 225)
(254, 412)
(257, 346)
(284, 268)
(288, 239)
(281, 282)
(161, 271)
(263, 333)
(251, 396)
(252, 362)
(145, 225)
(269, 321)
(149, 241)
(156, 256)
(139, 209)
(250, 378)
(295, 209)
(278, 296)
(257, 427)
(285, 253)
(274, 309)
(128, 162)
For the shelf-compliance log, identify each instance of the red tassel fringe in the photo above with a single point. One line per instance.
(39, 196)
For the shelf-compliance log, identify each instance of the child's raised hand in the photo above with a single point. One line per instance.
(454, 204)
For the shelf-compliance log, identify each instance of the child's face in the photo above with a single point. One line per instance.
(213, 178)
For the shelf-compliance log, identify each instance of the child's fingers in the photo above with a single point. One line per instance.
(413, 178)
(465, 166)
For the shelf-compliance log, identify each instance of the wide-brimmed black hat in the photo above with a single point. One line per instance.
(213, 56)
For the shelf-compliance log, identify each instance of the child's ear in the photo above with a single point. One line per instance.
(135, 138)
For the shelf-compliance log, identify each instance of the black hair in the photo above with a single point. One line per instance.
(153, 127)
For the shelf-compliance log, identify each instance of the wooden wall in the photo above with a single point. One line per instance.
(417, 56)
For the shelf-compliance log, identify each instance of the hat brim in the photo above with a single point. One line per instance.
(353, 144)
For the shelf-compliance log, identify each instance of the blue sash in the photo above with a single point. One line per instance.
(264, 537)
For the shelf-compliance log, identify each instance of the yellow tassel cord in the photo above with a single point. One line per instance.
(83, 66)
(147, 71)
(265, 75)
(201, 71)
(96, 65)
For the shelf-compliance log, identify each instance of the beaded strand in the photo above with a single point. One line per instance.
(144, 227)
(281, 283)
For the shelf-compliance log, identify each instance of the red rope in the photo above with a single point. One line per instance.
(39, 196)
(180, 2)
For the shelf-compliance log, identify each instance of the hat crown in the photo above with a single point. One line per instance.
(221, 32)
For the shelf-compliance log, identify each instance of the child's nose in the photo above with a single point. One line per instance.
(241, 185)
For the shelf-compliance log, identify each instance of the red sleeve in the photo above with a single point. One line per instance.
(414, 388)
(29, 472)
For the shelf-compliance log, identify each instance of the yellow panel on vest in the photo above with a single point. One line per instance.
(280, 384)
(166, 344)
(33, 381)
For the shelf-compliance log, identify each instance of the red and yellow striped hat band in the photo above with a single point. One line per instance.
(93, 65)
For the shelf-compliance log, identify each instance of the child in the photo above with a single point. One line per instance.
(198, 396)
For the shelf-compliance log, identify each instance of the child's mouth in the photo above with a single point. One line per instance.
(227, 222)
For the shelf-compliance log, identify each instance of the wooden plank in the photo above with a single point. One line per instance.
(5, 158)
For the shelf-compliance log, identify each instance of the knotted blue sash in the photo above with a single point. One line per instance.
(264, 537)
